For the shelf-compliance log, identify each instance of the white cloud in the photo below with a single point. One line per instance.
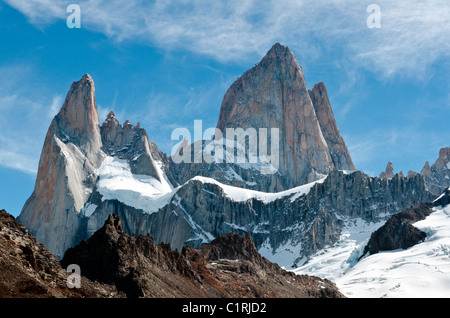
(13, 155)
(55, 105)
(413, 34)
(23, 127)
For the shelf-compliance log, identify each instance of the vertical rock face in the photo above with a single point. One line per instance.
(69, 202)
(441, 170)
(67, 170)
(273, 94)
(78, 118)
(436, 176)
(336, 144)
(74, 149)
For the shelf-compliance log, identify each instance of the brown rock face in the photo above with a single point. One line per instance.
(336, 144)
(67, 170)
(389, 172)
(229, 266)
(29, 270)
(74, 148)
(78, 117)
(273, 94)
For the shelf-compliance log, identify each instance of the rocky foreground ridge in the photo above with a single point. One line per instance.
(29, 270)
(114, 264)
(229, 266)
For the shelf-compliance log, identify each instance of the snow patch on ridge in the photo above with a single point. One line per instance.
(241, 195)
(117, 182)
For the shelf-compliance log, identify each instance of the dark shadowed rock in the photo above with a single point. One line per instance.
(398, 231)
(443, 199)
(229, 266)
(29, 270)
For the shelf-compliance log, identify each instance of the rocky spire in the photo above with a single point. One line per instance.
(67, 169)
(336, 144)
(426, 170)
(73, 151)
(437, 176)
(389, 172)
(273, 94)
(78, 117)
(443, 160)
(131, 143)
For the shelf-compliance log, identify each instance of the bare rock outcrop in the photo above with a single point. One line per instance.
(130, 143)
(411, 174)
(273, 94)
(229, 266)
(74, 148)
(29, 270)
(437, 176)
(398, 231)
(338, 150)
(443, 199)
(389, 172)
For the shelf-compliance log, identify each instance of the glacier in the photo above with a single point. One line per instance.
(422, 270)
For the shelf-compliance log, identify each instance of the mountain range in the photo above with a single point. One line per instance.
(309, 201)
(115, 265)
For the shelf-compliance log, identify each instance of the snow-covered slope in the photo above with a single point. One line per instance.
(420, 271)
(117, 182)
(332, 262)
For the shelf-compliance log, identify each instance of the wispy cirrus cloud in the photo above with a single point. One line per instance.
(21, 109)
(413, 34)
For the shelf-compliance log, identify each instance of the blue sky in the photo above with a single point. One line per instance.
(166, 63)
